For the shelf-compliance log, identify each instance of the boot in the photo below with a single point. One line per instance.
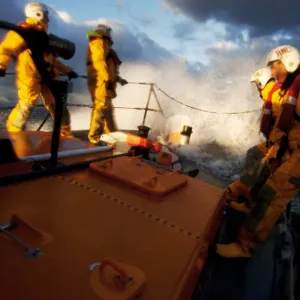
(233, 250)
(241, 207)
(97, 124)
(65, 131)
(18, 117)
(236, 190)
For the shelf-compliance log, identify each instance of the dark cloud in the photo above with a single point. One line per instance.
(260, 17)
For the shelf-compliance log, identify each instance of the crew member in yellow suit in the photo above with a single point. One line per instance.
(280, 125)
(28, 78)
(258, 159)
(103, 74)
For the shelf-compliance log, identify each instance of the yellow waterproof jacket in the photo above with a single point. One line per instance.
(112, 70)
(265, 91)
(277, 103)
(277, 99)
(113, 63)
(97, 69)
(13, 46)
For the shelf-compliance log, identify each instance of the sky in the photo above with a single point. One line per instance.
(201, 53)
(196, 31)
(191, 30)
(152, 17)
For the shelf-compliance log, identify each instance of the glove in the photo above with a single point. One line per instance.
(72, 75)
(276, 135)
(2, 72)
(109, 85)
(123, 81)
(272, 153)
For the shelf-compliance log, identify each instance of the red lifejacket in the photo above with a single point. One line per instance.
(287, 112)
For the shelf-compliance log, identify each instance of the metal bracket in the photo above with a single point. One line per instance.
(30, 252)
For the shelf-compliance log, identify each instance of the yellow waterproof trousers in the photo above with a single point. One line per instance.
(28, 97)
(271, 201)
(254, 174)
(102, 117)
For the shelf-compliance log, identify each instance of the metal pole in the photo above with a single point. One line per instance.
(64, 99)
(159, 106)
(148, 102)
(58, 115)
(44, 121)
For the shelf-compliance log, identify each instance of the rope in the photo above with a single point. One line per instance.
(121, 107)
(171, 98)
(206, 111)
(85, 106)
(141, 83)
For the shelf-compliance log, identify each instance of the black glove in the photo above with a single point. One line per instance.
(109, 85)
(123, 81)
(2, 72)
(72, 75)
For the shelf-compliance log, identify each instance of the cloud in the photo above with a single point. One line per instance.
(139, 18)
(65, 16)
(222, 44)
(205, 32)
(184, 30)
(260, 17)
(134, 46)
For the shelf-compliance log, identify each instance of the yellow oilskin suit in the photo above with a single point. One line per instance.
(28, 79)
(113, 64)
(266, 90)
(102, 69)
(98, 76)
(256, 170)
(271, 191)
(55, 68)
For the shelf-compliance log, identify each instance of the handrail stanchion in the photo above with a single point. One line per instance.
(148, 102)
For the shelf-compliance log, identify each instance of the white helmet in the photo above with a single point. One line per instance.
(261, 77)
(36, 10)
(287, 54)
(104, 29)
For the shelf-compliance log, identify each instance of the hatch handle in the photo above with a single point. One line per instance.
(30, 252)
(122, 279)
(122, 274)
